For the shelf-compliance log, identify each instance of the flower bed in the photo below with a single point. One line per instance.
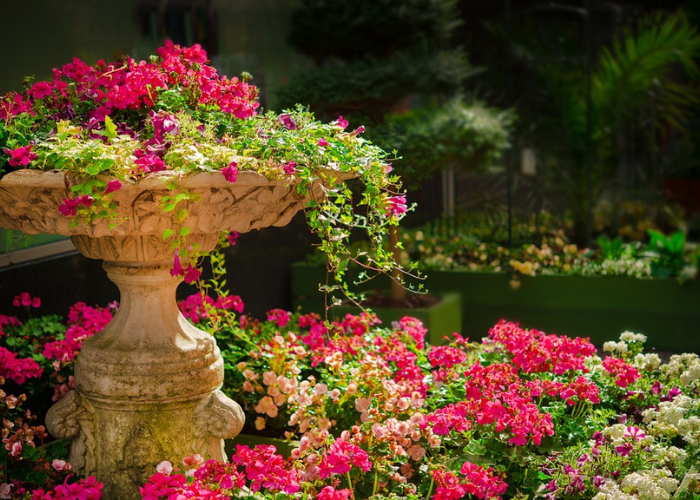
(554, 285)
(379, 413)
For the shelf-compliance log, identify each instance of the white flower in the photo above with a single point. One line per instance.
(633, 337)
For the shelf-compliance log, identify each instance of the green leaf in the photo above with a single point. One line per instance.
(110, 128)
(676, 242)
(167, 234)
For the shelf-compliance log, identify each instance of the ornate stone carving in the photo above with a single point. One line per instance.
(146, 385)
(29, 202)
(215, 419)
(141, 454)
(72, 418)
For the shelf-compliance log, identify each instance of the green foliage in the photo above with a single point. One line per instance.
(368, 88)
(641, 83)
(467, 136)
(610, 249)
(667, 253)
(327, 29)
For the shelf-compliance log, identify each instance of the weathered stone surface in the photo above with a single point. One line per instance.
(147, 386)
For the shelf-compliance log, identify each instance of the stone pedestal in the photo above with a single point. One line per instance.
(147, 386)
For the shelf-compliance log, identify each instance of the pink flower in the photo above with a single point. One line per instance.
(40, 90)
(113, 186)
(624, 449)
(150, 163)
(290, 168)
(195, 460)
(18, 369)
(342, 123)
(635, 433)
(192, 274)
(358, 130)
(60, 465)
(21, 156)
(279, 316)
(396, 206)
(70, 206)
(341, 457)
(177, 269)
(26, 300)
(164, 468)
(230, 172)
(287, 120)
(322, 142)
(625, 373)
(232, 238)
(5, 490)
(330, 493)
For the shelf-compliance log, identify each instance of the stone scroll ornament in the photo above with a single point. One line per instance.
(147, 386)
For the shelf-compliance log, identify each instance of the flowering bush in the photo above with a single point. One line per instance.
(36, 367)
(378, 413)
(109, 124)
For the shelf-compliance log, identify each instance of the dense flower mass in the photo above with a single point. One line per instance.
(114, 123)
(380, 413)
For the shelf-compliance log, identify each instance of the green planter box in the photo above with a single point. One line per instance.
(441, 319)
(600, 308)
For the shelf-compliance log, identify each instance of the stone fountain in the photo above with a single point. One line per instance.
(148, 385)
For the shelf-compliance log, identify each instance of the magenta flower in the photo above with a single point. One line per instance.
(287, 120)
(396, 205)
(192, 274)
(342, 123)
(26, 300)
(150, 163)
(233, 238)
(624, 449)
(69, 207)
(322, 142)
(177, 269)
(279, 316)
(358, 130)
(164, 123)
(113, 186)
(341, 457)
(624, 372)
(18, 369)
(635, 433)
(21, 156)
(330, 493)
(290, 168)
(230, 172)
(40, 90)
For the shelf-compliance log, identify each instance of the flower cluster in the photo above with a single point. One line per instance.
(27, 470)
(378, 413)
(111, 124)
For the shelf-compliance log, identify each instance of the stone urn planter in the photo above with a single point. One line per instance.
(147, 387)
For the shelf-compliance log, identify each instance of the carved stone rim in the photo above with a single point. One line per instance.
(61, 179)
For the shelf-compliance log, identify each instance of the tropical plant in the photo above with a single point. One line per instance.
(636, 89)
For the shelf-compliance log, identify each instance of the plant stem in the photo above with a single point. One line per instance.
(398, 292)
(430, 489)
(352, 492)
